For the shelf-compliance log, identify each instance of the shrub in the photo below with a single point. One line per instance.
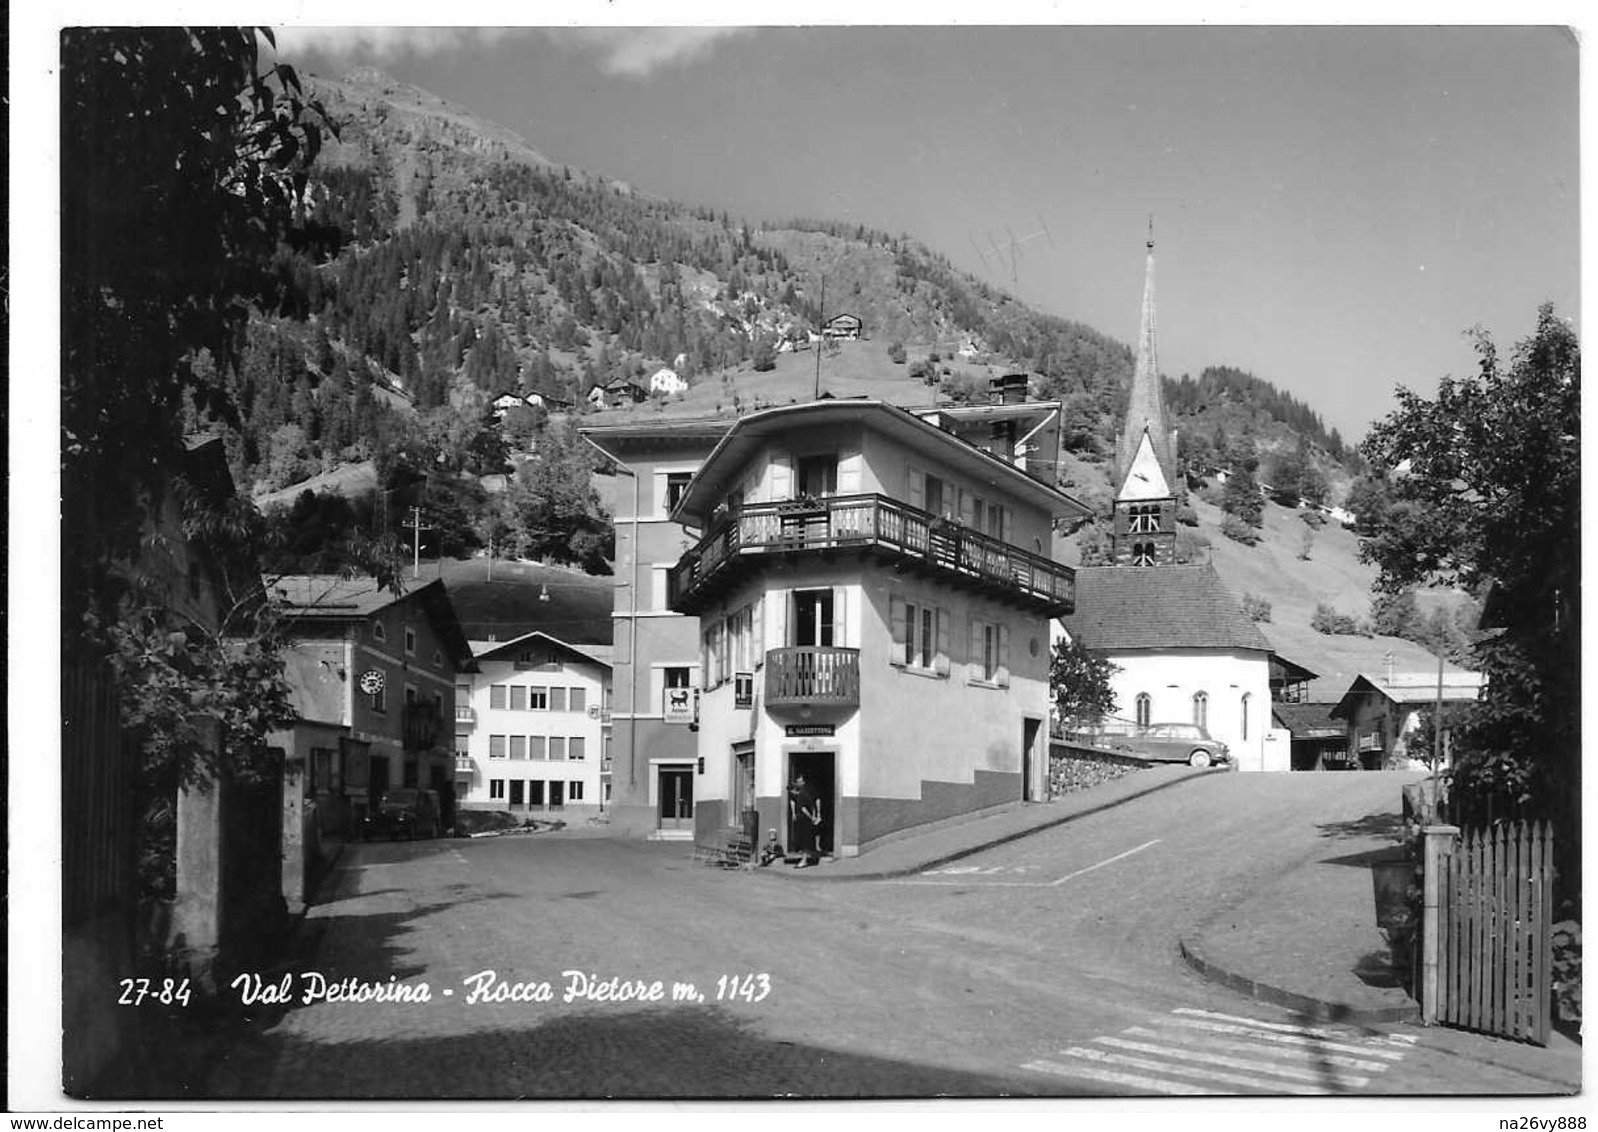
(1239, 530)
(1257, 608)
(1312, 517)
(1211, 494)
(1190, 546)
(896, 353)
(1327, 620)
(1186, 515)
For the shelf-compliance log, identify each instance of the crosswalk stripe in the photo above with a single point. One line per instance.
(1203, 1074)
(1123, 1080)
(1286, 1028)
(1208, 1041)
(1203, 1057)
(1286, 1039)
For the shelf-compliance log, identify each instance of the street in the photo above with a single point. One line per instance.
(1044, 967)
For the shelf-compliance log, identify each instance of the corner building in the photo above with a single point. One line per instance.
(860, 625)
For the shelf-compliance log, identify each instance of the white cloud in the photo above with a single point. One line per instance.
(639, 52)
(635, 52)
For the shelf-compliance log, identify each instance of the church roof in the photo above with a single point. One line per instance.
(1145, 411)
(1121, 608)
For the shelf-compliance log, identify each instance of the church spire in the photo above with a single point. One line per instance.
(1144, 530)
(1146, 408)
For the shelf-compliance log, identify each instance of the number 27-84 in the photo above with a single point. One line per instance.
(135, 992)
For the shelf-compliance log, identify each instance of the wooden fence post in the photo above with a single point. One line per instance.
(1439, 839)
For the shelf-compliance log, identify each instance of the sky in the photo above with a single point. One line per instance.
(1334, 207)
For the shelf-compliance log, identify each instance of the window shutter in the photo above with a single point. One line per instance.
(974, 658)
(940, 662)
(779, 618)
(840, 616)
(781, 476)
(849, 467)
(896, 616)
(1003, 675)
(760, 632)
(965, 506)
(915, 487)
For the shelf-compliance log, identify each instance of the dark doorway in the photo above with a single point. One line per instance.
(377, 784)
(1029, 755)
(812, 617)
(676, 797)
(817, 767)
(818, 475)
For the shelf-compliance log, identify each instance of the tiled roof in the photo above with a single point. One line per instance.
(328, 595)
(1159, 607)
(1309, 721)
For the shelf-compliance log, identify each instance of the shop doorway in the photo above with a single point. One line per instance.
(819, 771)
(676, 797)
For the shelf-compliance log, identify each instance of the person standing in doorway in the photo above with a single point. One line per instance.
(804, 807)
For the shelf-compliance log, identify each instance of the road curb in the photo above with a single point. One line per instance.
(1017, 835)
(1307, 1005)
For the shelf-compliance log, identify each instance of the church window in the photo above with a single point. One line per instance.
(1201, 709)
(1143, 709)
(1245, 715)
(1144, 518)
(1142, 554)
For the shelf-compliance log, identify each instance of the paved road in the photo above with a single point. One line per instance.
(1044, 967)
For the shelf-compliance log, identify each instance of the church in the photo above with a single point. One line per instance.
(1185, 650)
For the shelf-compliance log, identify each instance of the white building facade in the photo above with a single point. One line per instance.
(531, 728)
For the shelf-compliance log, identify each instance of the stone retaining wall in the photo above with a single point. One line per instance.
(1077, 768)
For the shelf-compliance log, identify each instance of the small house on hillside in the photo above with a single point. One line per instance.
(843, 326)
(1380, 711)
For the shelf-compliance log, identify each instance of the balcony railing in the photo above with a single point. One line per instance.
(872, 523)
(464, 715)
(463, 766)
(812, 675)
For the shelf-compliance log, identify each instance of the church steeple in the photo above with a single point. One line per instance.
(1145, 506)
(1146, 409)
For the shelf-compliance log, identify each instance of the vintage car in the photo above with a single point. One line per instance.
(407, 813)
(1175, 742)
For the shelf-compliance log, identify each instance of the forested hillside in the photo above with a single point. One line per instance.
(447, 262)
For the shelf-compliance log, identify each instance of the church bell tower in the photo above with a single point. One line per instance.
(1144, 531)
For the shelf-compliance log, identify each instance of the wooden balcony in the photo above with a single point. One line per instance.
(812, 676)
(874, 525)
(422, 726)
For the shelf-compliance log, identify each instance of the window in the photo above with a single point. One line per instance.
(535, 792)
(379, 698)
(676, 484)
(812, 621)
(574, 791)
(378, 632)
(463, 694)
(557, 699)
(990, 652)
(518, 698)
(678, 677)
(463, 744)
(517, 786)
(496, 696)
(1245, 715)
(537, 698)
(578, 698)
(438, 659)
(537, 747)
(712, 654)
(576, 748)
(1201, 709)
(496, 746)
(934, 495)
(557, 747)
(518, 746)
(1142, 554)
(920, 636)
(555, 795)
(1143, 518)
(1142, 709)
(496, 788)
(410, 641)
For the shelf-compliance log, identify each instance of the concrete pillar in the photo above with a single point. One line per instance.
(1438, 839)
(197, 913)
(296, 853)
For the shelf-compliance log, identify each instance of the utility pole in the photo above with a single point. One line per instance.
(416, 527)
(821, 337)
